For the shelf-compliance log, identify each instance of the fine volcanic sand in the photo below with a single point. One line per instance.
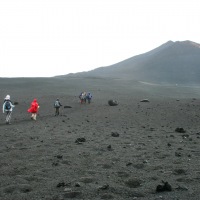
(124, 151)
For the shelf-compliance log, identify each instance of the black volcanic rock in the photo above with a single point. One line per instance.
(165, 187)
(112, 102)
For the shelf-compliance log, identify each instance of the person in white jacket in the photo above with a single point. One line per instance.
(8, 108)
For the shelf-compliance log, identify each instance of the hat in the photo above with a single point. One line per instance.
(7, 97)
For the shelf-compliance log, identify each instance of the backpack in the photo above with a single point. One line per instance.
(89, 96)
(7, 105)
(57, 104)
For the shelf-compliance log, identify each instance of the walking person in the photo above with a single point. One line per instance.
(34, 109)
(89, 97)
(57, 106)
(82, 97)
(7, 108)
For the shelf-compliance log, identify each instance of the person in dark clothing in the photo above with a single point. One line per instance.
(89, 97)
(57, 106)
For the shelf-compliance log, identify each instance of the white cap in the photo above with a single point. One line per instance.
(7, 97)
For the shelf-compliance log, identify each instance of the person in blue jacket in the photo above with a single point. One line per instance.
(89, 97)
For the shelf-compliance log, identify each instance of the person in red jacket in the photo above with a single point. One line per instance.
(34, 109)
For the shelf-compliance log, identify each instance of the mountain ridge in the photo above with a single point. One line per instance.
(172, 62)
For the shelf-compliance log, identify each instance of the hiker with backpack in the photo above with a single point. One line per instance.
(34, 109)
(7, 108)
(57, 106)
(89, 97)
(82, 97)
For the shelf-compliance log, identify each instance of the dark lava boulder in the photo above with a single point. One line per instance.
(112, 103)
(180, 130)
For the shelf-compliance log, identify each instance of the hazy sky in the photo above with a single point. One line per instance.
(54, 37)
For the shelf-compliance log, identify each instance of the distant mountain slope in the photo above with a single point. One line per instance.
(172, 62)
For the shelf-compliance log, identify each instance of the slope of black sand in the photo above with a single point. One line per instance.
(172, 62)
(41, 160)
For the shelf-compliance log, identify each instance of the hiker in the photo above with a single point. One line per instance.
(89, 97)
(34, 109)
(82, 97)
(7, 108)
(57, 106)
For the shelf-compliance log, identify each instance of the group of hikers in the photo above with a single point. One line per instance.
(8, 108)
(84, 97)
(34, 107)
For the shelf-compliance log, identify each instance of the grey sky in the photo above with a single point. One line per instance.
(52, 37)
